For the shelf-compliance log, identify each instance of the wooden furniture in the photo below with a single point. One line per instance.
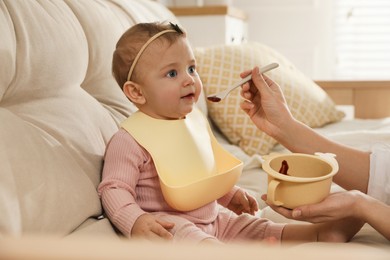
(371, 99)
(209, 25)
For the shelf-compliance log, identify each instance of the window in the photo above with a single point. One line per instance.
(362, 39)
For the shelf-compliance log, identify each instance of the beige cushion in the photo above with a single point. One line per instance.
(219, 67)
(59, 106)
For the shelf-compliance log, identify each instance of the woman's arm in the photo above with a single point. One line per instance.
(375, 213)
(266, 106)
(354, 164)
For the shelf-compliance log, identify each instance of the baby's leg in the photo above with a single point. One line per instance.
(334, 231)
(185, 230)
(232, 228)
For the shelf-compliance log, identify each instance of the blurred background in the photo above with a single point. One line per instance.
(327, 40)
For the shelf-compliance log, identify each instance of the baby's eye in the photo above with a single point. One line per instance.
(191, 69)
(172, 74)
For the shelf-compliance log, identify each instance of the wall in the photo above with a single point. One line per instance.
(302, 30)
(299, 29)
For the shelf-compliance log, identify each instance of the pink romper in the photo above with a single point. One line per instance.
(130, 187)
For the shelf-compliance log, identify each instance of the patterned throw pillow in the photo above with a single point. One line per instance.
(220, 66)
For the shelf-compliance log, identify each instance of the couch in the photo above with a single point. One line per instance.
(59, 106)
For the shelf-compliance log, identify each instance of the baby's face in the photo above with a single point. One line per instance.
(169, 80)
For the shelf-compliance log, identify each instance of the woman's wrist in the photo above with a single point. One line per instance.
(361, 205)
(289, 132)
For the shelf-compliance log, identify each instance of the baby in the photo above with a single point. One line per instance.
(154, 65)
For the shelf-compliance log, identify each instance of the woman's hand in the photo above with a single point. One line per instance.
(343, 205)
(264, 103)
(336, 206)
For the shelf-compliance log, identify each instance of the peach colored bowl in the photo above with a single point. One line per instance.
(308, 181)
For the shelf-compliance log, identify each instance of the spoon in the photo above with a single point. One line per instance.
(223, 94)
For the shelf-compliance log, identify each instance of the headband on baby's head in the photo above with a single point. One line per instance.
(175, 27)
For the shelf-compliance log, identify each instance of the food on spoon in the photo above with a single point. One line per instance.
(214, 99)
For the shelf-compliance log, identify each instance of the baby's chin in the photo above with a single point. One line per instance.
(188, 110)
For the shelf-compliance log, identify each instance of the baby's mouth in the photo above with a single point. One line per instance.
(191, 95)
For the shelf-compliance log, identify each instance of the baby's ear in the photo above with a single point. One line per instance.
(133, 91)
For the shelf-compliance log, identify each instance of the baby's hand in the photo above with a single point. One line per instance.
(149, 227)
(242, 202)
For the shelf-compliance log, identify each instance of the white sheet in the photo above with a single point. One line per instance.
(358, 133)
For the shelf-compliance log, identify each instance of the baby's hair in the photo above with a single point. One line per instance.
(131, 43)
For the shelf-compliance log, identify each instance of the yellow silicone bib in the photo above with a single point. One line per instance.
(192, 166)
